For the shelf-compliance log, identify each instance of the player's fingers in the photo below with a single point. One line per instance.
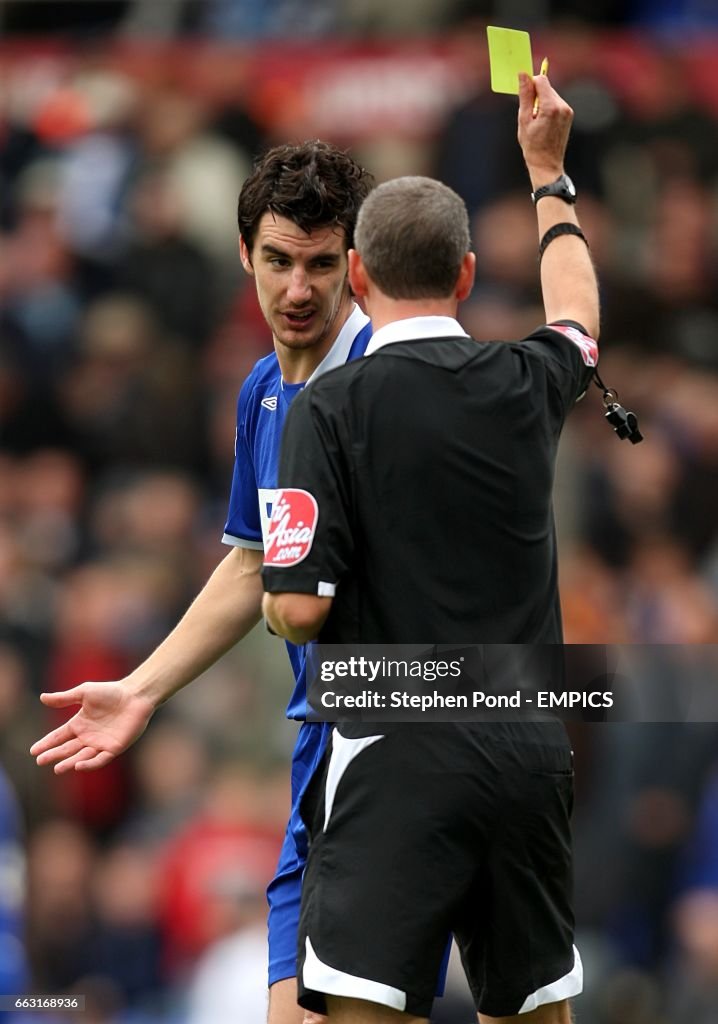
(52, 739)
(58, 753)
(98, 761)
(84, 754)
(63, 698)
(314, 1018)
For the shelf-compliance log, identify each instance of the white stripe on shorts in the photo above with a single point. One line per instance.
(565, 988)
(343, 753)
(320, 977)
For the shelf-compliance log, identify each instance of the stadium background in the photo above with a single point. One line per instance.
(126, 329)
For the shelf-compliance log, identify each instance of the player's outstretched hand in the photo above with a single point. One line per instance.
(110, 719)
(543, 138)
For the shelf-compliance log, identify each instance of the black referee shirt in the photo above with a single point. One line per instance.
(427, 469)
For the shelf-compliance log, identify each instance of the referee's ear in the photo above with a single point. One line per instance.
(358, 278)
(465, 280)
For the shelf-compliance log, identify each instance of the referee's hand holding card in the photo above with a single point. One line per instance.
(543, 137)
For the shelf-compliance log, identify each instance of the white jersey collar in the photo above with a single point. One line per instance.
(339, 352)
(415, 328)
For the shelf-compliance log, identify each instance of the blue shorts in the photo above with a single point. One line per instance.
(284, 893)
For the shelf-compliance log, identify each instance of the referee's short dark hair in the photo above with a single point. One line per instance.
(313, 184)
(412, 235)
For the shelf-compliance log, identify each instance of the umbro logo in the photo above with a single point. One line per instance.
(269, 403)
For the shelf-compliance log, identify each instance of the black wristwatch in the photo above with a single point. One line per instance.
(562, 188)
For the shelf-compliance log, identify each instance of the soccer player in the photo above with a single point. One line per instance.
(422, 477)
(296, 217)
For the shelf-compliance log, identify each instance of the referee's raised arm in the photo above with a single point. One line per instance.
(568, 279)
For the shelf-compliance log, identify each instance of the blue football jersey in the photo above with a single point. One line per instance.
(261, 411)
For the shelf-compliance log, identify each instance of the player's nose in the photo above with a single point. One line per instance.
(299, 290)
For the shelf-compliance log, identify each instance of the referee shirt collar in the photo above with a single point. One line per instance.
(415, 328)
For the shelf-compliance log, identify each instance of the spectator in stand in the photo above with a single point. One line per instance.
(163, 267)
(130, 398)
(61, 860)
(13, 963)
(228, 839)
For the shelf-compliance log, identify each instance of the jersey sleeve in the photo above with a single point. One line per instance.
(310, 542)
(243, 527)
(569, 356)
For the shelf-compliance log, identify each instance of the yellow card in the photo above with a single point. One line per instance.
(509, 53)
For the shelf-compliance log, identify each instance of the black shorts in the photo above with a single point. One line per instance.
(422, 830)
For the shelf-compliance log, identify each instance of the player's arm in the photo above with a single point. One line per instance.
(113, 715)
(568, 279)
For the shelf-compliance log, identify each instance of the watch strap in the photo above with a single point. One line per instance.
(557, 188)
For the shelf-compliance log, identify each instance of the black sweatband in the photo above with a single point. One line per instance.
(565, 228)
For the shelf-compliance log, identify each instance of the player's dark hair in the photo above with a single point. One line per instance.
(313, 184)
(412, 235)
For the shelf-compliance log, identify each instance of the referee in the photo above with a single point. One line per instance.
(415, 507)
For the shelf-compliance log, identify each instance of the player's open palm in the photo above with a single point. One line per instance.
(110, 719)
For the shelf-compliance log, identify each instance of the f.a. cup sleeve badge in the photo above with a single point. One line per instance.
(291, 528)
(588, 347)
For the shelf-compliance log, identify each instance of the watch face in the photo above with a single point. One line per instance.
(562, 187)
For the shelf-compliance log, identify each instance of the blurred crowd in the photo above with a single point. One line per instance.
(126, 330)
(261, 19)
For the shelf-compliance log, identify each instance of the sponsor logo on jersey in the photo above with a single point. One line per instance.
(266, 496)
(588, 347)
(269, 403)
(291, 527)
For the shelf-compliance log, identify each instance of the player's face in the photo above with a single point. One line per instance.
(301, 281)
